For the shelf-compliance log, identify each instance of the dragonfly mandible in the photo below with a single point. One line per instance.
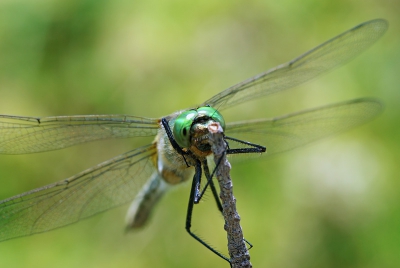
(180, 149)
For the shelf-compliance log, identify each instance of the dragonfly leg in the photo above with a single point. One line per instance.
(210, 182)
(214, 191)
(194, 190)
(255, 148)
(173, 142)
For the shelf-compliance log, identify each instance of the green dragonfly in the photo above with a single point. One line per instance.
(180, 149)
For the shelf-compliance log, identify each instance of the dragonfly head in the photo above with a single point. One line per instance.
(190, 128)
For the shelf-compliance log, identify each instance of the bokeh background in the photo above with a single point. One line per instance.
(335, 203)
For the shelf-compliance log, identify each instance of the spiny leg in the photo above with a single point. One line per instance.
(214, 190)
(255, 149)
(193, 192)
(212, 186)
(173, 142)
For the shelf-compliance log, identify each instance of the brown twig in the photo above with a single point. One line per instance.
(239, 255)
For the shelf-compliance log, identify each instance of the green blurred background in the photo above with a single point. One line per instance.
(335, 203)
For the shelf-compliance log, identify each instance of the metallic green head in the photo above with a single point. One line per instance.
(185, 120)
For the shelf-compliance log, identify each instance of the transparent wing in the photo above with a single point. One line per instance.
(286, 132)
(322, 58)
(20, 135)
(94, 190)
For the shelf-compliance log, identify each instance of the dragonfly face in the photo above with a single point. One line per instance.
(180, 147)
(189, 130)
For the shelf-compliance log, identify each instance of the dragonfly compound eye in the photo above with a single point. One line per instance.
(182, 127)
(213, 114)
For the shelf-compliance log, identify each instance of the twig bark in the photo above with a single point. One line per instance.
(238, 253)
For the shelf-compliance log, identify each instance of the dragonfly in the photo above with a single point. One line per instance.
(180, 150)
